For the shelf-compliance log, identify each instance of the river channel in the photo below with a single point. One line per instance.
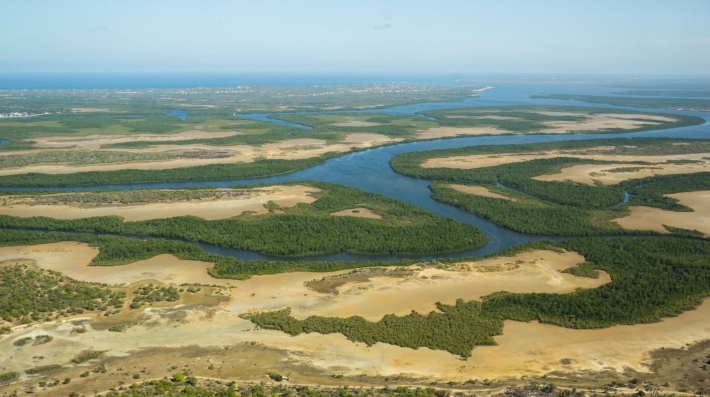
(370, 171)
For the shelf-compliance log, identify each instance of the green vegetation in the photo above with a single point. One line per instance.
(680, 232)
(22, 341)
(9, 376)
(557, 208)
(276, 376)
(151, 293)
(33, 295)
(218, 388)
(43, 368)
(652, 278)
(42, 339)
(305, 229)
(651, 191)
(116, 250)
(630, 169)
(586, 269)
(75, 158)
(534, 216)
(117, 328)
(100, 198)
(87, 356)
(701, 105)
(212, 172)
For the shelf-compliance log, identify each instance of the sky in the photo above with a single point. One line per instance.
(181, 36)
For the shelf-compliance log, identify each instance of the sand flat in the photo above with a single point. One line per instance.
(523, 349)
(447, 132)
(359, 212)
(59, 169)
(589, 173)
(352, 122)
(94, 142)
(480, 191)
(366, 139)
(292, 149)
(595, 122)
(492, 159)
(285, 196)
(603, 121)
(649, 218)
(539, 272)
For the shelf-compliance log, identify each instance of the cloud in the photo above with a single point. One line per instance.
(382, 27)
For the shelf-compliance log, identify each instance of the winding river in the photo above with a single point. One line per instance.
(369, 170)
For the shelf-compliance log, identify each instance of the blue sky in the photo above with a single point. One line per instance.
(577, 37)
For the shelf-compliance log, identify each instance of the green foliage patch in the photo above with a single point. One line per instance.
(305, 229)
(43, 368)
(32, 295)
(150, 293)
(87, 356)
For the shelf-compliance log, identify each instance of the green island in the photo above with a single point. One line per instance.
(700, 105)
(559, 208)
(301, 230)
(652, 278)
